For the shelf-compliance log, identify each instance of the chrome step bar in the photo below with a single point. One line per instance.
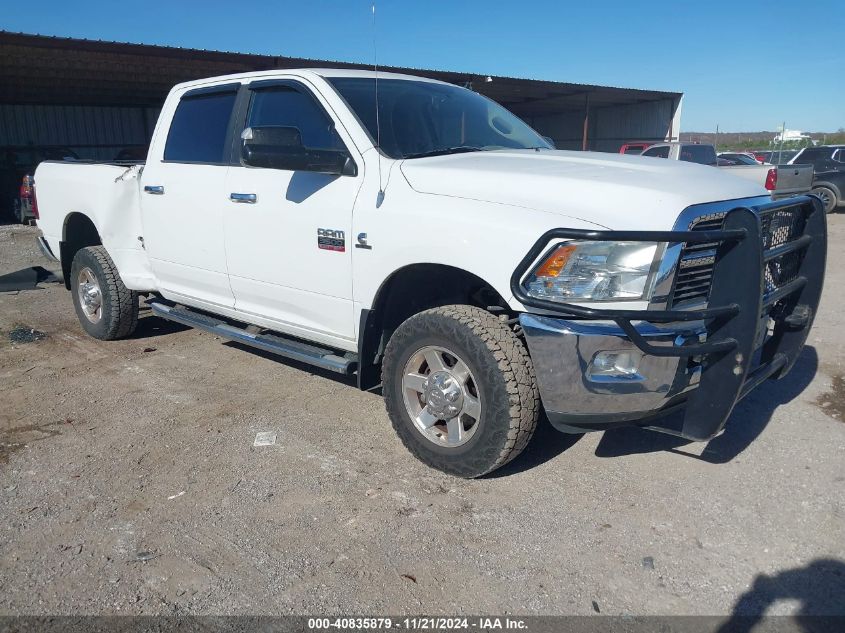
(272, 343)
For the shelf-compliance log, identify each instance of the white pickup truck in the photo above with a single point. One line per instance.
(781, 181)
(424, 238)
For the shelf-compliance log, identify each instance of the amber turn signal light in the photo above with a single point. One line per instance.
(555, 262)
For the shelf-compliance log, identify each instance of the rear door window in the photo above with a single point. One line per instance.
(657, 152)
(701, 154)
(199, 128)
(810, 156)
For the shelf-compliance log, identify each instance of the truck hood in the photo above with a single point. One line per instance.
(611, 190)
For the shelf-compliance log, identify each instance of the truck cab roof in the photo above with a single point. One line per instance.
(302, 72)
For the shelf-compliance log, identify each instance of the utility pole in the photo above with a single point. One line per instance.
(716, 144)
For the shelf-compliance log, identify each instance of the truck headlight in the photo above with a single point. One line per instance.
(583, 270)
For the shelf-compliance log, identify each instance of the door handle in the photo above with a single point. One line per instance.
(248, 198)
(156, 190)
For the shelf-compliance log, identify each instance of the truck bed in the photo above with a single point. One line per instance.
(108, 195)
(791, 179)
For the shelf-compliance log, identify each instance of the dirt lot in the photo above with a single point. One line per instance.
(130, 484)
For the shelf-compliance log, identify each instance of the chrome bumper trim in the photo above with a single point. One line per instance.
(562, 351)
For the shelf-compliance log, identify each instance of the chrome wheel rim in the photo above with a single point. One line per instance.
(90, 295)
(441, 396)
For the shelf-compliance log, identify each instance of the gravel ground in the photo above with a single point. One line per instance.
(130, 485)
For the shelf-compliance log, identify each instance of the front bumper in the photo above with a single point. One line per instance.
(563, 352)
(767, 274)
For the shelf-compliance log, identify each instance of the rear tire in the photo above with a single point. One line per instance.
(106, 308)
(465, 358)
(828, 197)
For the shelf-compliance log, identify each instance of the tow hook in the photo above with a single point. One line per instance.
(799, 318)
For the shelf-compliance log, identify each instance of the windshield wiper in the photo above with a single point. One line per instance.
(460, 149)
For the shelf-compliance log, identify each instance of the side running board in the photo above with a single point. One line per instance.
(272, 343)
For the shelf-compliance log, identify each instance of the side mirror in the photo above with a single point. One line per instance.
(281, 148)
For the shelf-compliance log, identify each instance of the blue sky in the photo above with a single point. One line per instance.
(745, 65)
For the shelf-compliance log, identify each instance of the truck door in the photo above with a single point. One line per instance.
(182, 199)
(288, 226)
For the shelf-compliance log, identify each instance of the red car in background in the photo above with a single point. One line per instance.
(17, 164)
(635, 147)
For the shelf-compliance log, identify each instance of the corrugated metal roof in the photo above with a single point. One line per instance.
(51, 69)
(311, 61)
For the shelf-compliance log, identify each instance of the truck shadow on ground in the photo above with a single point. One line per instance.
(818, 588)
(350, 380)
(150, 326)
(27, 279)
(747, 422)
(545, 445)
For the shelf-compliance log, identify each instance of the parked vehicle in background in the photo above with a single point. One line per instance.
(783, 157)
(823, 157)
(781, 181)
(777, 157)
(635, 147)
(829, 164)
(26, 208)
(738, 158)
(18, 162)
(830, 187)
(700, 153)
(463, 264)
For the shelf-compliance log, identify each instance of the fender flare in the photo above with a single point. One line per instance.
(69, 245)
(371, 324)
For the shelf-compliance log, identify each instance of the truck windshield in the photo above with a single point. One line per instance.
(421, 118)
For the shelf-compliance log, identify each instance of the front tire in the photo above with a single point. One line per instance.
(828, 197)
(106, 308)
(460, 390)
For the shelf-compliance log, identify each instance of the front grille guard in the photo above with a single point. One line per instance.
(738, 307)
